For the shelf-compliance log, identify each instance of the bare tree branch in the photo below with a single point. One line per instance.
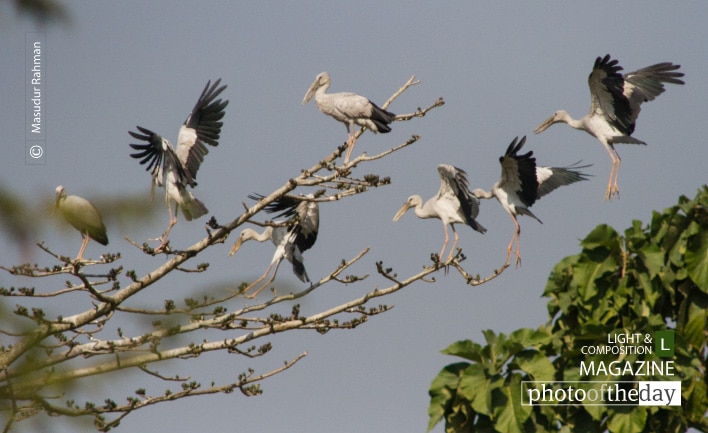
(30, 365)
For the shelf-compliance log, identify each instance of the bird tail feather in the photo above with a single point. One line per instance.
(193, 208)
(382, 118)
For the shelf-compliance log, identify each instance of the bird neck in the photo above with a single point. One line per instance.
(575, 123)
(425, 210)
(267, 234)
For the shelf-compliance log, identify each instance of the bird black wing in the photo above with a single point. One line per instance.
(608, 96)
(152, 154)
(453, 180)
(645, 84)
(304, 215)
(203, 126)
(519, 172)
(285, 205)
(158, 154)
(550, 178)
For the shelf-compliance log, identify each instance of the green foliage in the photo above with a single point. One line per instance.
(649, 279)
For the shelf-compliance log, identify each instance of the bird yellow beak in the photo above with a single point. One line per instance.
(401, 211)
(311, 91)
(236, 246)
(543, 126)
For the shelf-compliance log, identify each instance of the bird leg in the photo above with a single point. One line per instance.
(517, 237)
(447, 238)
(173, 220)
(612, 188)
(84, 243)
(351, 141)
(262, 277)
(454, 243)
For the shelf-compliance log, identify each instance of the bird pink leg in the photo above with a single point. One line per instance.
(254, 283)
(173, 220)
(447, 238)
(260, 289)
(612, 188)
(518, 245)
(351, 142)
(517, 237)
(84, 243)
(454, 242)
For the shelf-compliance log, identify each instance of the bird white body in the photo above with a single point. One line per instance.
(83, 216)
(452, 205)
(291, 239)
(175, 183)
(615, 105)
(522, 183)
(347, 107)
(284, 240)
(177, 169)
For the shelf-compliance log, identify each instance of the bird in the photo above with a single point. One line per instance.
(522, 183)
(291, 238)
(615, 105)
(348, 108)
(177, 169)
(83, 216)
(452, 205)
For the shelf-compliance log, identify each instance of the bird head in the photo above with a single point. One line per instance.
(558, 116)
(247, 235)
(60, 194)
(411, 202)
(321, 79)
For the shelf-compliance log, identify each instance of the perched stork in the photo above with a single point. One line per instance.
(615, 105)
(177, 169)
(348, 108)
(81, 214)
(452, 205)
(522, 183)
(295, 236)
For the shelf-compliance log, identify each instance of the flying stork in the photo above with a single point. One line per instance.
(291, 238)
(177, 169)
(615, 105)
(522, 183)
(348, 108)
(452, 205)
(83, 216)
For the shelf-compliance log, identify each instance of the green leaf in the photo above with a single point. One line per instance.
(476, 387)
(511, 417)
(442, 392)
(587, 273)
(466, 349)
(693, 331)
(697, 257)
(535, 364)
(602, 236)
(626, 420)
(652, 258)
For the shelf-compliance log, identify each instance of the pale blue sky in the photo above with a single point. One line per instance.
(502, 68)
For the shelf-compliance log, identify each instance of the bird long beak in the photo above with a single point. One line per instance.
(236, 246)
(543, 126)
(311, 91)
(401, 211)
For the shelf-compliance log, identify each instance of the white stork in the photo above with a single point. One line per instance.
(297, 235)
(522, 183)
(615, 105)
(348, 108)
(177, 169)
(81, 214)
(452, 205)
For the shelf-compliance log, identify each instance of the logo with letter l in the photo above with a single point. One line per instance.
(664, 341)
